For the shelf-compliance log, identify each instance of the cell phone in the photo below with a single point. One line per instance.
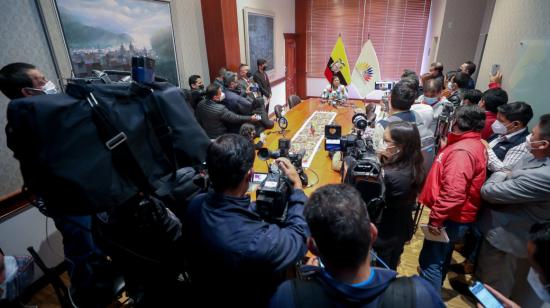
(494, 69)
(486, 298)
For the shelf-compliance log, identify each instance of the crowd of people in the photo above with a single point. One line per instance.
(488, 190)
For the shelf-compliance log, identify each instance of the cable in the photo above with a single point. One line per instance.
(316, 175)
(378, 259)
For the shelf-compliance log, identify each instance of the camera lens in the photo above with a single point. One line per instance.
(360, 121)
(263, 154)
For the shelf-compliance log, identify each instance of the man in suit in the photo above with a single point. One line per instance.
(469, 68)
(196, 92)
(234, 101)
(219, 79)
(520, 198)
(260, 77)
(214, 117)
(507, 145)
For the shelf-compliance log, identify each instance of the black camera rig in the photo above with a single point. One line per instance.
(273, 193)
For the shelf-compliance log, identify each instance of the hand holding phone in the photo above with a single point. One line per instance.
(484, 296)
(495, 69)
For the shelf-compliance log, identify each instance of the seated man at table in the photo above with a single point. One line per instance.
(214, 117)
(342, 276)
(236, 257)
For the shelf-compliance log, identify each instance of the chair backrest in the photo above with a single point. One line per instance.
(293, 100)
(278, 109)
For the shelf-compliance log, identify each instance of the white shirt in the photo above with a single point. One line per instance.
(425, 111)
(512, 156)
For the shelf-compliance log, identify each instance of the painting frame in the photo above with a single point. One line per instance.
(247, 12)
(56, 37)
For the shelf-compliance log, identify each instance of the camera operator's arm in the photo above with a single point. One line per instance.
(229, 116)
(288, 169)
(282, 245)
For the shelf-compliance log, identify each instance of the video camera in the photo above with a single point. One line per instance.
(364, 171)
(284, 151)
(443, 123)
(384, 85)
(273, 193)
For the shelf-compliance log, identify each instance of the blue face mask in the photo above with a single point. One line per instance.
(430, 100)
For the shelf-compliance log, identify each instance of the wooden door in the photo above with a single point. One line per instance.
(290, 64)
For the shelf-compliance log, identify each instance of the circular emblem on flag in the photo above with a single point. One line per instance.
(337, 65)
(366, 71)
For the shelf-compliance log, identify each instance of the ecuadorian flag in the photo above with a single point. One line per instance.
(338, 64)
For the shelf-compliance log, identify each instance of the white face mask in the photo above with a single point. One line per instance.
(383, 149)
(49, 88)
(450, 86)
(499, 128)
(222, 97)
(529, 143)
(537, 286)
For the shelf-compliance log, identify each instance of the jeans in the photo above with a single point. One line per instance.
(78, 246)
(435, 257)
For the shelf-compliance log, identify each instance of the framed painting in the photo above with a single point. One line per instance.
(105, 34)
(259, 28)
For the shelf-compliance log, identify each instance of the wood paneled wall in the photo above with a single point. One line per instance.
(221, 35)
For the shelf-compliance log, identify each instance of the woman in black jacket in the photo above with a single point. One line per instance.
(403, 175)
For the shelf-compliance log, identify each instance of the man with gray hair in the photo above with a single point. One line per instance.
(519, 198)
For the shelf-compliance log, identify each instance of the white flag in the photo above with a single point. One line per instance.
(366, 70)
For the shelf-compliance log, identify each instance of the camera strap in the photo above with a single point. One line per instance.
(162, 130)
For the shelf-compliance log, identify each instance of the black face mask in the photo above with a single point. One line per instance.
(248, 74)
(201, 87)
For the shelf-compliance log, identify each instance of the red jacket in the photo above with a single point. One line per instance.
(490, 118)
(452, 188)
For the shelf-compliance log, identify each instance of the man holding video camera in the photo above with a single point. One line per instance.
(232, 249)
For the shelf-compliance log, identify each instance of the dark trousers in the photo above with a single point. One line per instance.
(79, 247)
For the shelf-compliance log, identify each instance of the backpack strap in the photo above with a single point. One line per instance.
(400, 293)
(309, 293)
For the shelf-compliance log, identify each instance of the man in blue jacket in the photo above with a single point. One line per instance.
(341, 237)
(236, 257)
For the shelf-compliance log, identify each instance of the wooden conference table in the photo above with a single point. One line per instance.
(321, 163)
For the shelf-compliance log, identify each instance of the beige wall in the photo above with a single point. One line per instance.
(459, 32)
(284, 23)
(514, 21)
(190, 41)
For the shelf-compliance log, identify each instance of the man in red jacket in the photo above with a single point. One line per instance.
(452, 191)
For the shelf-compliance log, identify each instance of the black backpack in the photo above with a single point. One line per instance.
(310, 293)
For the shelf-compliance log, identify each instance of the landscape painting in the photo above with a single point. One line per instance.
(105, 34)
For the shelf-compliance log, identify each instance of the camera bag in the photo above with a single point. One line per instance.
(65, 159)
